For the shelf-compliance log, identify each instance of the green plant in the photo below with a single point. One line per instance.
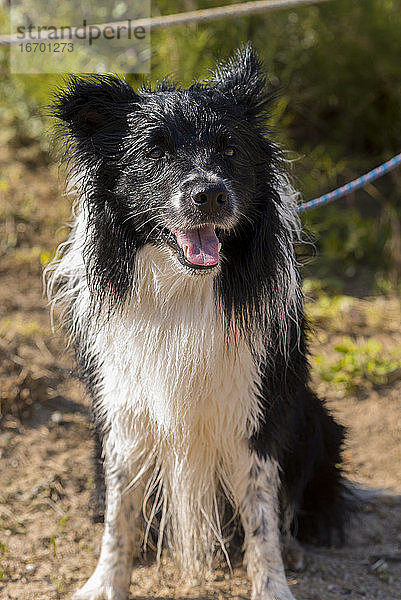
(63, 521)
(3, 549)
(53, 543)
(328, 311)
(358, 364)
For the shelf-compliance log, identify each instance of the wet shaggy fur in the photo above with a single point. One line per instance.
(198, 373)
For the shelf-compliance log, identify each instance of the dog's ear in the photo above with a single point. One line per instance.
(93, 110)
(241, 79)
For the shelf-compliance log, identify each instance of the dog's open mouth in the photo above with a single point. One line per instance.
(200, 247)
(197, 248)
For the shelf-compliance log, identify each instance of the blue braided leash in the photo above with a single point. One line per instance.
(353, 185)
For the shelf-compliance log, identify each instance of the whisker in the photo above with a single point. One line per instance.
(150, 232)
(137, 214)
(146, 222)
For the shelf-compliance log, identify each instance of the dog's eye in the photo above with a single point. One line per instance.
(229, 151)
(156, 153)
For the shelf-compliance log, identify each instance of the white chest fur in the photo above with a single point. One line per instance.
(166, 358)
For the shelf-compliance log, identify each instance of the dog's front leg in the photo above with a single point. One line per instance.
(257, 496)
(111, 578)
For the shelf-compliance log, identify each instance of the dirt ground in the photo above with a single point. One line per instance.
(48, 544)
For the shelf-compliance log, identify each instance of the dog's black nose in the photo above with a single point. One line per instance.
(210, 197)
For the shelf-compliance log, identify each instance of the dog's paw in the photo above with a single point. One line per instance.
(98, 590)
(274, 592)
(281, 595)
(99, 594)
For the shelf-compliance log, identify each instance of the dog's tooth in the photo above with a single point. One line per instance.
(185, 249)
(219, 247)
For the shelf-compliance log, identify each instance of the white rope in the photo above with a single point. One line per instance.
(195, 16)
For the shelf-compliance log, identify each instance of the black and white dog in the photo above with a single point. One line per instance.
(181, 289)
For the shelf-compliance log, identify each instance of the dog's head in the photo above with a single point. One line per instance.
(184, 168)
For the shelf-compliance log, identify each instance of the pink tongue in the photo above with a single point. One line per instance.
(202, 245)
